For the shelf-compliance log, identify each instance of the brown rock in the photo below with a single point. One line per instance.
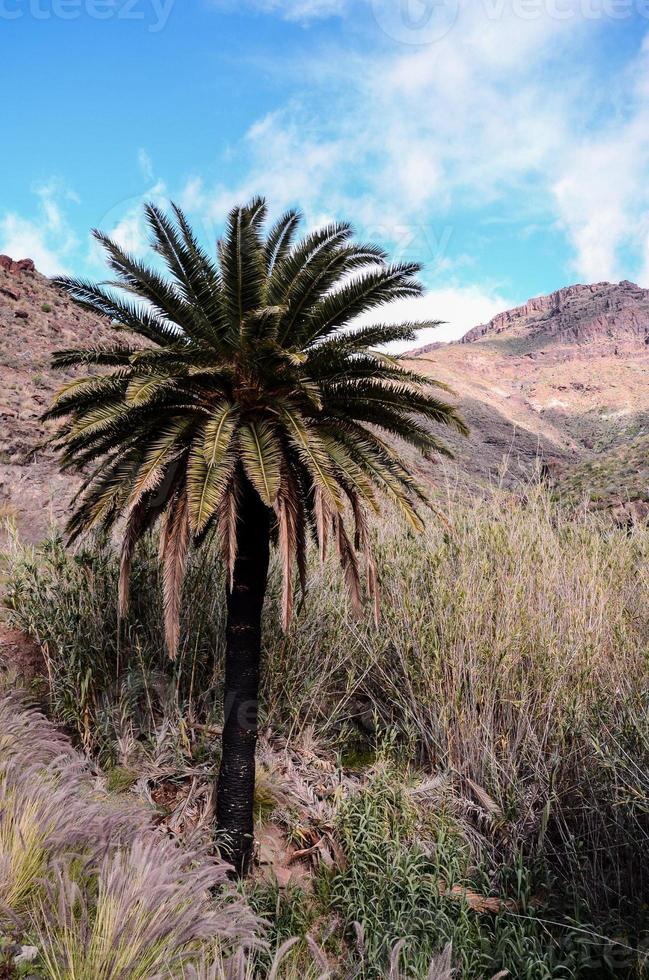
(578, 312)
(21, 654)
(284, 876)
(11, 293)
(630, 512)
(22, 314)
(23, 265)
(6, 262)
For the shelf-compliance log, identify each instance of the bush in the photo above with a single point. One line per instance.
(510, 659)
(422, 889)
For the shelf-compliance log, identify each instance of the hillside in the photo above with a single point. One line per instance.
(452, 780)
(562, 378)
(36, 318)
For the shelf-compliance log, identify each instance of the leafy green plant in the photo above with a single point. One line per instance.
(418, 895)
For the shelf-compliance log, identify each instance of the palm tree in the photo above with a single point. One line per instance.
(249, 410)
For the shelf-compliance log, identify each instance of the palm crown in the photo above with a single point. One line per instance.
(247, 369)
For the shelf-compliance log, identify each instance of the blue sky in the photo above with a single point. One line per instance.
(503, 143)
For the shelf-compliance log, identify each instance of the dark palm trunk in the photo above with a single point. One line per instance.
(236, 783)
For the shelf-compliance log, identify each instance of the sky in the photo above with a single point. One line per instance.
(504, 144)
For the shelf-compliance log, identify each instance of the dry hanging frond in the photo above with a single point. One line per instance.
(226, 525)
(132, 534)
(287, 525)
(322, 516)
(349, 564)
(174, 558)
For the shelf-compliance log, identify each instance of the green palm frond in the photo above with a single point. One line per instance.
(206, 486)
(312, 452)
(242, 268)
(365, 292)
(132, 316)
(87, 393)
(261, 454)
(194, 274)
(161, 450)
(246, 370)
(142, 388)
(280, 239)
(301, 258)
(218, 432)
(106, 356)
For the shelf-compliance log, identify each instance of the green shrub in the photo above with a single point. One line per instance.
(425, 893)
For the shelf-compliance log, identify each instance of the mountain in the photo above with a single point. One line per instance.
(36, 318)
(562, 379)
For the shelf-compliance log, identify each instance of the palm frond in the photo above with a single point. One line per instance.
(247, 373)
(196, 277)
(295, 262)
(242, 268)
(312, 452)
(261, 454)
(280, 238)
(132, 316)
(218, 432)
(206, 485)
(174, 549)
(365, 292)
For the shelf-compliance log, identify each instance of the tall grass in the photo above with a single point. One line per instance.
(148, 913)
(107, 897)
(510, 663)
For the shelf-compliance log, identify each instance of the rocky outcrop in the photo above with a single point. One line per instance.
(16, 267)
(560, 382)
(575, 313)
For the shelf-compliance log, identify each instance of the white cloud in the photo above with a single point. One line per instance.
(507, 108)
(404, 131)
(145, 163)
(296, 10)
(48, 238)
(130, 233)
(461, 308)
(126, 224)
(22, 238)
(602, 194)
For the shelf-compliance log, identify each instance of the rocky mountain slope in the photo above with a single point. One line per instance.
(36, 318)
(564, 379)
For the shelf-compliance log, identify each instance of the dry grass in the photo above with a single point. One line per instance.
(509, 673)
(512, 648)
(107, 897)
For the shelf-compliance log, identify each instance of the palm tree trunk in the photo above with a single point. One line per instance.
(236, 782)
